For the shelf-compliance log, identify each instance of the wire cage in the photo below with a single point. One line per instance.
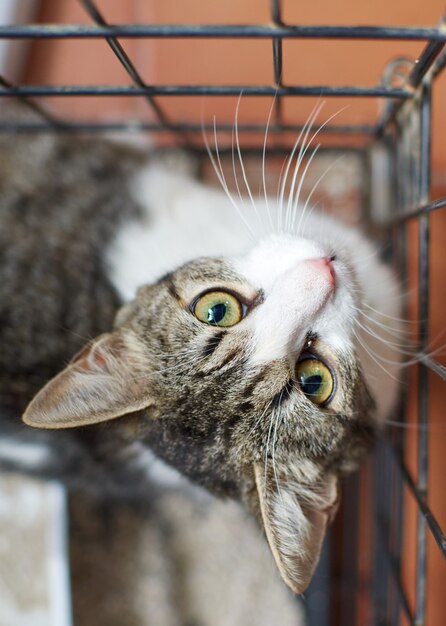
(395, 155)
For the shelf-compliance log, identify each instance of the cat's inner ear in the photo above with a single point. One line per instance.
(108, 378)
(295, 515)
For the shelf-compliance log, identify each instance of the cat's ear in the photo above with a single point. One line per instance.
(105, 380)
(295, 516)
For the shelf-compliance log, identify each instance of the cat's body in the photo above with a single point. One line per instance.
(83, 225)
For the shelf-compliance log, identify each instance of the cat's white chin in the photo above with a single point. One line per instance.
(298, 281)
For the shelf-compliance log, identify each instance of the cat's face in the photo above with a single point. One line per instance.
(252, 360)
(242, 374)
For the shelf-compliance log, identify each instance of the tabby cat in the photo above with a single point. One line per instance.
(233, 344)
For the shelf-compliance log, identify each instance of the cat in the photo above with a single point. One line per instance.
(234, 344)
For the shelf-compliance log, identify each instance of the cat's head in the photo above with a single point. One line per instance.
(243, 375)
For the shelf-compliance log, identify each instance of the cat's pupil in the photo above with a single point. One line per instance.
(216, 313)
(311, 384)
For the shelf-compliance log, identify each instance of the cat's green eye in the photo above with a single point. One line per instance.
(315, 380)
(218, 308)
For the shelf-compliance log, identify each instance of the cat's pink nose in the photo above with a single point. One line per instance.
(325, 264)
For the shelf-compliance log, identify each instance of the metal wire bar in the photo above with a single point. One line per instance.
(73, 128)
(423, 379)
(317, 604)
(416, 212)
(52, 120)
(432, 522)
(276, 13)
(424, 63)
(200, 90)
(277, 43)
(394, 568)
(217, 31)
(125, 61)
(283, 149)
(381, 497)
(436, 367)
(396, 539)
(277, 58)
(426, 60)
(401, 255)
(350, 538)
(439, 66)
(134, 125)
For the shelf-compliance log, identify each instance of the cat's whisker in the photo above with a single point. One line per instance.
(397, 330)
(270, 429)
(218, 169)
(299, 188)
(239, 211)
(242, 166)
(408, 348)
(293, 197)
(273, 455)
(302, 155)
(234, 168)
(302, 151)
(274, 421)
(271, 423)
(313, 189)
(390, 317)
(260, 418)
(215, 164)
(278, 202)
(404, 425)
(375, 357)
(394, 337)
(316, 205)
(265, 192)
(398, 347)
(322, 226)
(398, 293)
(394, 334)
(399, 364)
(440, 349)
(317, 107)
